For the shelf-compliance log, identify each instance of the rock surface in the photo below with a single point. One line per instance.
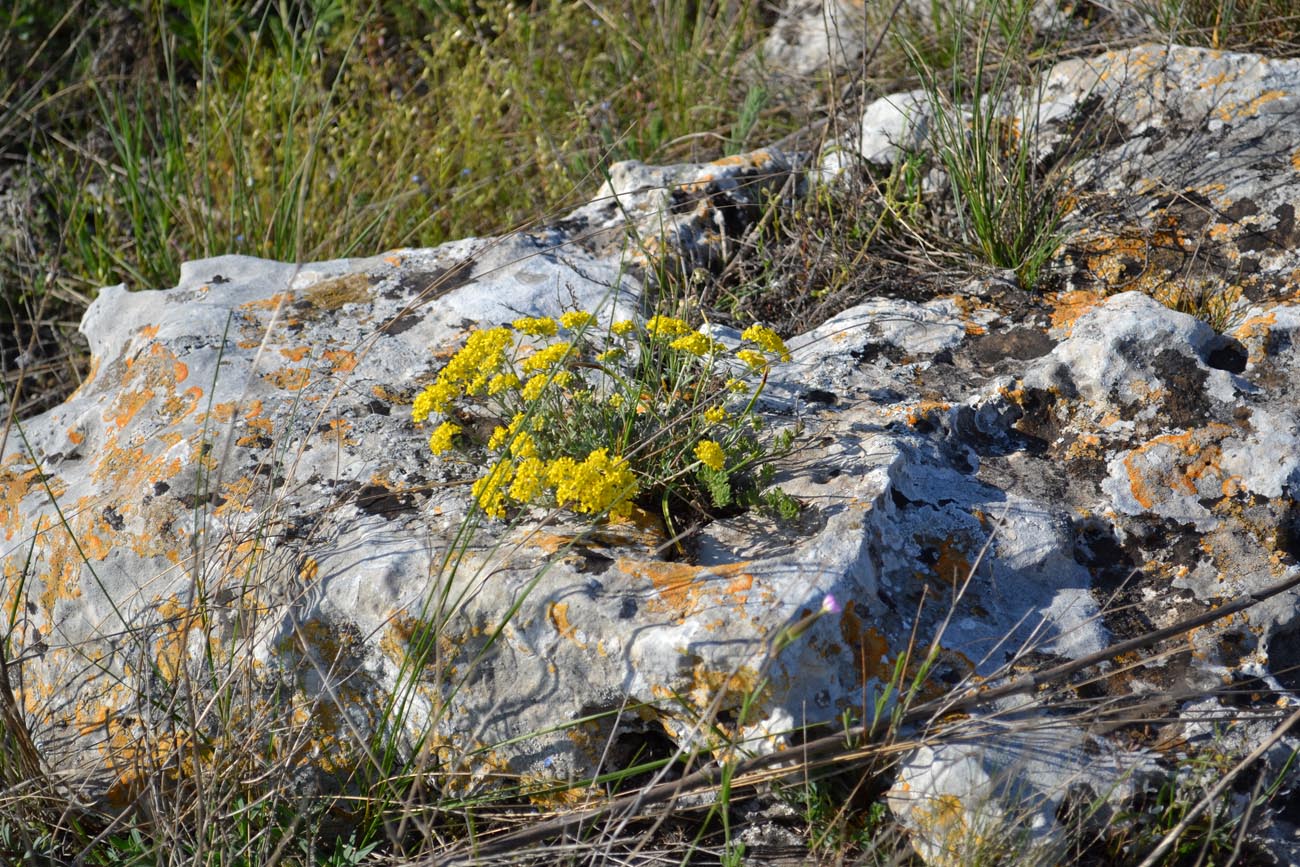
(237, 494)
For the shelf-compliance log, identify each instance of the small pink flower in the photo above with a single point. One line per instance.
(831, 605)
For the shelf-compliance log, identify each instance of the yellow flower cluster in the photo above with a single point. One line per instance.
(767, 339)
(710, 454)
(553, 460)
(576, 320)
(530, 480)
(490, 490)
(548, 357)
(697, 344)
(755, 359)
(666, 326)
(467, 372)
(533, 388)
(501, 434)
(540, 327)
(597, 484)
(593, 486)
(441, 439)
(502, 382)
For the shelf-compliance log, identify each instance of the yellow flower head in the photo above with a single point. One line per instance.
(697, 344)
(441, 439)
(482, 354)
(534, 387)
(435, 398)
(598, 484)
(755, 359)
(489, 491)
(610, 355)
(540, 327)
(623, 327)
(768, 339)
(501, 435)
(523, 446)
(710, 454)
(547, 357)
(736, 386)
(575, 320)
(666, 326)
(530, 481)
(501, 382)
(715, 415)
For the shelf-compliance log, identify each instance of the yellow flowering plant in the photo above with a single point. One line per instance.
(598, 418)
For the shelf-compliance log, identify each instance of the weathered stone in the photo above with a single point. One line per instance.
(1191, 196)
(677, 217)
(995, 793)
(813, 35)
(894, 125)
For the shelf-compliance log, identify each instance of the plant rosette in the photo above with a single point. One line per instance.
(595, 419)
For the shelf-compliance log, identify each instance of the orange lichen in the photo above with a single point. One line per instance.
(132, 468)
(171, 648)
(739, 587)
(870, 648)
(558, 614)
(296, 353)
(951, 565)
(270, 303)
(681, 588)
(126, 405)
(289, 378)
(744, 685)
(1254, 332)
(388, 396)
(1200, 453)
(675, 583)
(1086, 446)
(238, 495)
(61, 575)
(337, 433)
(342, 360)
(222, 413)
(1241, 110)
(14, 488)
(920, 411)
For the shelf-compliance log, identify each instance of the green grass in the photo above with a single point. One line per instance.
(335, 128)
(1270, 27)
(1008, 208)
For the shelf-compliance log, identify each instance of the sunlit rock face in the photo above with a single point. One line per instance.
(233, 541)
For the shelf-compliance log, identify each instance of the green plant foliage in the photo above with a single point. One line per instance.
(322, 129)
(656, 413)
(1270, 26)
(1008, 207)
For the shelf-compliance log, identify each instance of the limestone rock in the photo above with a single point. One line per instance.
(994, 794)
(812, 35)
(236, 500)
